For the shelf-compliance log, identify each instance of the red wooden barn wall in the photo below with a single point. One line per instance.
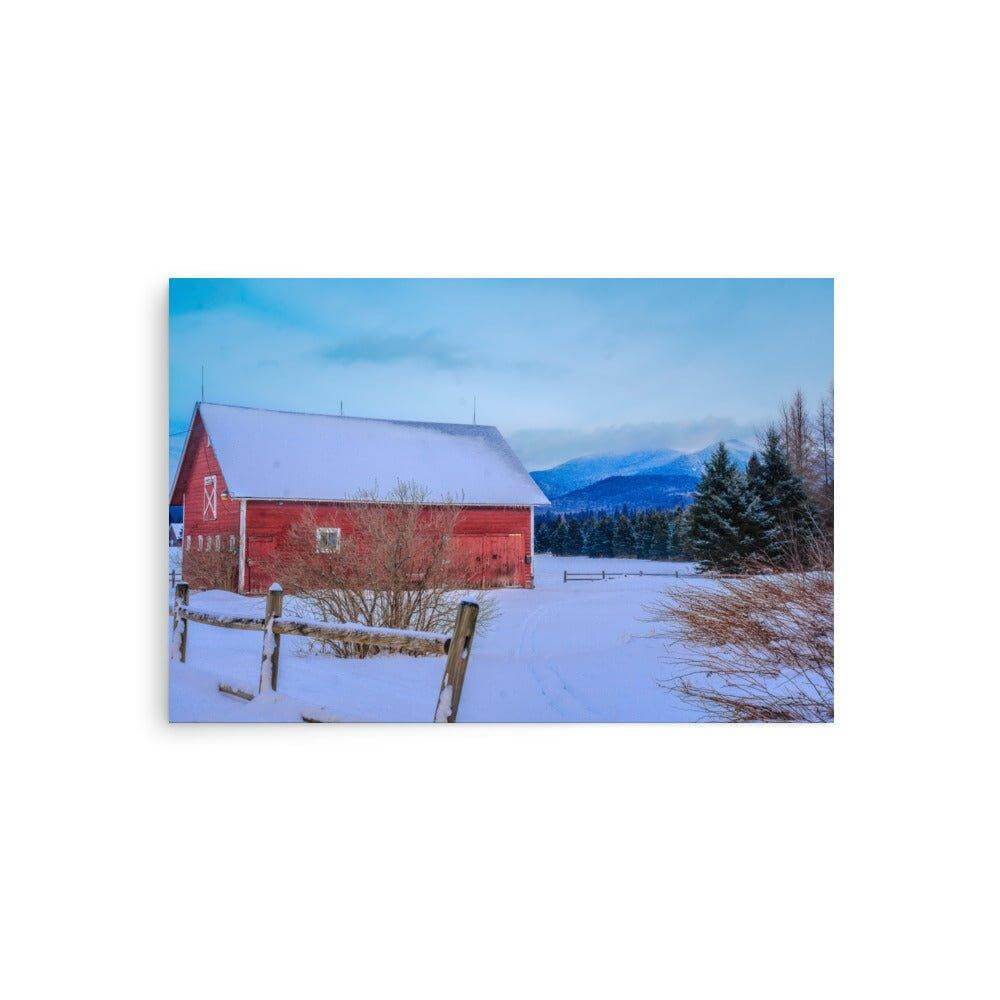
(199, 461)
(496, 538)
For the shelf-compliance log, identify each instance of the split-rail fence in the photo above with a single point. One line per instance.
(569, 577)
(457, 647)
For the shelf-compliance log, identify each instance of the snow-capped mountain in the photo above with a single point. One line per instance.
(693, 463)
(581, 473)
(639, 492)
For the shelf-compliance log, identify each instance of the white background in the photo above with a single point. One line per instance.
(766, 139)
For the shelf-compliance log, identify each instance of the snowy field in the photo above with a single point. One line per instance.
(563, 652)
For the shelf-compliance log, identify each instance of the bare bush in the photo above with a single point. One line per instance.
(211, 569)
(764, 647)
(395, 568)
(808, 441)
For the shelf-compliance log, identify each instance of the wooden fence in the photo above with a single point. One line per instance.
(603, 575)
(457, 647)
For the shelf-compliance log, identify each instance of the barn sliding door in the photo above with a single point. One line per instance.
(489, 560)
(502, 557)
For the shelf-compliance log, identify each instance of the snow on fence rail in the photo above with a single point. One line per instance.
(456, 647)
(569, 577)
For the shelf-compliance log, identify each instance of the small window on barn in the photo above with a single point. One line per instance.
(187, 543)
(218, 543)
(200, 541)
(328, 539)
(232, 543)
(210, 508)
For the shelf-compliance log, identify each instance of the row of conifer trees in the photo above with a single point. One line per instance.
(646, 534)
(738, 521)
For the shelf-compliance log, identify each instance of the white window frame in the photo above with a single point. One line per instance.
(218, 543)
(187, 543)
(324, 547)
(210, 507)
(232, 543)
(201, 543)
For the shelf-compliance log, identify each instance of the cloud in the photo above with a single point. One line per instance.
(541, 448)
(429, 347)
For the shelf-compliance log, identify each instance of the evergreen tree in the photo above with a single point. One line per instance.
(574, 538)
(542, 526)
(558, 537)
(759, 542)
(624, 538)
(707, 529)
(661, 543)
(601, 540)
(643, 527)
(680, 535)
(783, 498)
(729, 528)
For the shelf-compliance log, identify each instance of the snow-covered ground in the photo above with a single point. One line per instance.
(563, 652)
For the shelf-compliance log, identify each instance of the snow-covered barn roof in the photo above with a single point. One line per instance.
(275, 455)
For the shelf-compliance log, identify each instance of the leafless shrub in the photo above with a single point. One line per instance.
(175, 560)
(764, 647)
(396, 567)
(808, 441)
(211, 569)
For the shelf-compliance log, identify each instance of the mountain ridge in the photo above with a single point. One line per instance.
(582, 473)
(641, 491)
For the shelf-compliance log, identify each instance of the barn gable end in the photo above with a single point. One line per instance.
(215, 523)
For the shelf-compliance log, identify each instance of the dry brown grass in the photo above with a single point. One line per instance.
(764, 647)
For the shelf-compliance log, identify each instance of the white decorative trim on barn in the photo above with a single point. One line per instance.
(211, 505)
(243, 546)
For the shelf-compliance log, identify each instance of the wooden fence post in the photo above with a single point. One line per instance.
(179, 639)
(272, 641)
(459, 649)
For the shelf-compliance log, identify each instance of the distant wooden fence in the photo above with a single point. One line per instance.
(604, 575)
(457, 647)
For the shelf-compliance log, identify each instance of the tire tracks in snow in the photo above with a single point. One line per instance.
(552, 685)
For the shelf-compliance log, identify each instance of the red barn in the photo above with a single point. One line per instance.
(246, 474)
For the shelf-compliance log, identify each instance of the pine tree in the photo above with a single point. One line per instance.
(759, 542)
(600, 541)
(643, 526)
(542, 526)
(729, 528)
(680, 534)
(574, 538)
(624, 539)
(558, 537)
(783, 498)
(661, 543)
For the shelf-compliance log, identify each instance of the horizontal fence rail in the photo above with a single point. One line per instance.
(569, 577)
(397, 640)
(456, 646)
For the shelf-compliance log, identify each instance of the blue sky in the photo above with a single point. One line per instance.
(562, 367)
